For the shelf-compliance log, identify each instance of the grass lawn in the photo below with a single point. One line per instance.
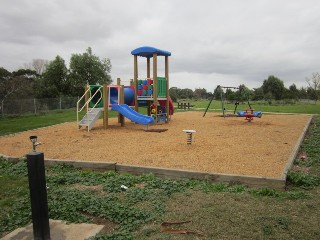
(16, 124)
(215, 210)
(9, 125)
(299, 107)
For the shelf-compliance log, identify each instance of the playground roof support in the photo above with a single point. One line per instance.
(148, 52)
(151, 52)
(155, 82)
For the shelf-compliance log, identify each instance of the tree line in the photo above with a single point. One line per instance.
(52, 79)
(272, 88)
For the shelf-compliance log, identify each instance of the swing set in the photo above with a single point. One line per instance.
(249, 113)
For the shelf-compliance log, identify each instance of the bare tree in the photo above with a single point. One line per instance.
(314, 84)
(39, 65)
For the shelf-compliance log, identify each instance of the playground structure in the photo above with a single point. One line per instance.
(150, 92)
(249, 113)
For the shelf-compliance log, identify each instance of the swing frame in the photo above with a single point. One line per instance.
(223, 98)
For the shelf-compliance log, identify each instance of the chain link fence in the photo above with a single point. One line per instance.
(36, 106)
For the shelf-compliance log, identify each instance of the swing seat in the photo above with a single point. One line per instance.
(241, 113)
(257, 114)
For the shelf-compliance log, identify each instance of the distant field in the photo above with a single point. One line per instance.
(307, 108)
(9, 125)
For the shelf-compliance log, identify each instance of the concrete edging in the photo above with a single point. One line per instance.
(251, 181)
(10, 158)
(296, 149)
(104, 166)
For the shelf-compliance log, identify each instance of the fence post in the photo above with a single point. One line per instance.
(60, 103)
(35, 107)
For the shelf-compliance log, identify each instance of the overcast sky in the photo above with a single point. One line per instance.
(226, 42)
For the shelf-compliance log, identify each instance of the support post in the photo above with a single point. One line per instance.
(207, 106)
(149, 108)
(167, 87)
(148, 67)
(155, 85)
(119, 98)
(87, 96)
(135, 79)
(222, 104)
(38, 196)
(105, 106)
(121, 101)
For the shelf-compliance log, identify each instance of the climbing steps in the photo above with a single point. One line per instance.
(90, 118)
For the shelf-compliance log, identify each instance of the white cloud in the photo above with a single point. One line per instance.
(207, 81)
(211, 41)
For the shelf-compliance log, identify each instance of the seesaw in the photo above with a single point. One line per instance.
(249, 114)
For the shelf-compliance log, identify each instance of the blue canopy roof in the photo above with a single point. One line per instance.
(149, 51)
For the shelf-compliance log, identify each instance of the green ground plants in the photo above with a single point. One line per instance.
(215, 210)
(210, 210)
(306, 173)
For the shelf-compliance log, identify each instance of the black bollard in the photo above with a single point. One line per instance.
(38, 196)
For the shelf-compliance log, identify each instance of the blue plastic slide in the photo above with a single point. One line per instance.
(134, 116)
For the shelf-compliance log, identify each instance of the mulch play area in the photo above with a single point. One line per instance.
(220, 145)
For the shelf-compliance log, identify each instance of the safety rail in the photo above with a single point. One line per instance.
(88, 101)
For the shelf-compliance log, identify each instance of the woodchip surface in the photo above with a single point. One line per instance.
(231, 145)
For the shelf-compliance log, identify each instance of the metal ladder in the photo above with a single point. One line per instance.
(90, 118)
(93, 113)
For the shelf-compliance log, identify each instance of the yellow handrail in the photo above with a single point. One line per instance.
(97, 100)
(78, 103)
(88, 101)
